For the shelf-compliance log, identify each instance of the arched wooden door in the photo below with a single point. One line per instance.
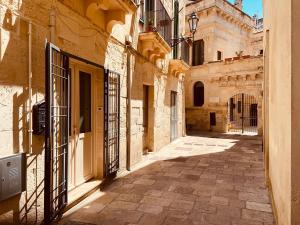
(242, 114)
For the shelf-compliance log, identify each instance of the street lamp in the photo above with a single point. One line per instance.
(193, 24)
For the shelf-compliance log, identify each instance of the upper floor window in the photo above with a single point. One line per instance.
(158, 20)
(198, 94)
(198, 52)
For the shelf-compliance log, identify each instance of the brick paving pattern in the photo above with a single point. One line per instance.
(208, 180)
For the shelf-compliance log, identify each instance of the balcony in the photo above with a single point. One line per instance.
(153, 46)
(107, 13)
(156, 39)
(177, 66)
(180, 62)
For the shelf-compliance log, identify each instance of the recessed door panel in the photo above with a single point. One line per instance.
(81, 153)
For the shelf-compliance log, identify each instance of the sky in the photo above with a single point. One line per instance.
(252, 7)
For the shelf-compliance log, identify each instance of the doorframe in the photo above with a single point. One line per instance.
(76, 67)
(49, 216)
(176, 113)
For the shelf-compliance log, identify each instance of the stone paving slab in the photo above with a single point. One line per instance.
(207, 180)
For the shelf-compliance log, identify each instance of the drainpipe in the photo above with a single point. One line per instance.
(30, 84)
(128, 110)
(52, 22)
(128, 43)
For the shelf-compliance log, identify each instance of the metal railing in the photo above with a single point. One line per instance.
(159, 20)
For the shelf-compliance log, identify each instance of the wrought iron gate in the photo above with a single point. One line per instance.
(242, 114)
(173, 115)
(111, 122)
(56, 132)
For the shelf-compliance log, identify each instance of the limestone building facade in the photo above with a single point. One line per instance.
(86, 88)
(282, 107)
(224, 85)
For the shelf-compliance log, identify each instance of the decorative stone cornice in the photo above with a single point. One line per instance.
(236, 77)
(107, 13)
(177, 66)
(152, 46)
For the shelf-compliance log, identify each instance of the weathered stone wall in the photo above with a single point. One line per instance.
(223, 28)
(222, 80)
(160, 84)
(281, 107)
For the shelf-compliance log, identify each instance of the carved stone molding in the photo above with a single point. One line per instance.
(107, 13)
(152, 46)
(177, 66)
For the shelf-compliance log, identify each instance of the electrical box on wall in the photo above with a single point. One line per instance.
(38, 118)
(12, 176)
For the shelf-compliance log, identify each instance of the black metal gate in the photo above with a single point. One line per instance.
(56, 132)
(242, 114)
(111, 122)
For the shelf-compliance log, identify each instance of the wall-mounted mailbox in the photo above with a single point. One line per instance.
(12, 175)
(38, 118)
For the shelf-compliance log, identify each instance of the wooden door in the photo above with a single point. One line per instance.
(81, 153)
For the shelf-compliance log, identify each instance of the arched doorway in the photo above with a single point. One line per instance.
(243, 114)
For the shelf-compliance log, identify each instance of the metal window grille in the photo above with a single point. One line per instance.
(111, 121)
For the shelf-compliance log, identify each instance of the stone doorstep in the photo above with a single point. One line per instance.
(81, 192)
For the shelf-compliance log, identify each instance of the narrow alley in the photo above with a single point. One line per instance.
(214, 179)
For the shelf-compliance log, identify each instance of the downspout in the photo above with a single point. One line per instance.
(52, 22)
(128, 109)
(30, 85)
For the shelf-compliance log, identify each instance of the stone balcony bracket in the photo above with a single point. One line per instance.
(177, 66)
(107, 13)
(152, 46)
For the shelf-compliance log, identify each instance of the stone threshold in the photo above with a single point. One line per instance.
(80, 193)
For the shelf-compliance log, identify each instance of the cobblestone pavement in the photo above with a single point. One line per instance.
(212, 180)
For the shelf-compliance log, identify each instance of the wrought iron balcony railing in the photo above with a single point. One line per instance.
(157, 19)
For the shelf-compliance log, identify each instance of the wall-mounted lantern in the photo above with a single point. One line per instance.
(193, 24)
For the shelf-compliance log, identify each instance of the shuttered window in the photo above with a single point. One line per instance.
(198, 52)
